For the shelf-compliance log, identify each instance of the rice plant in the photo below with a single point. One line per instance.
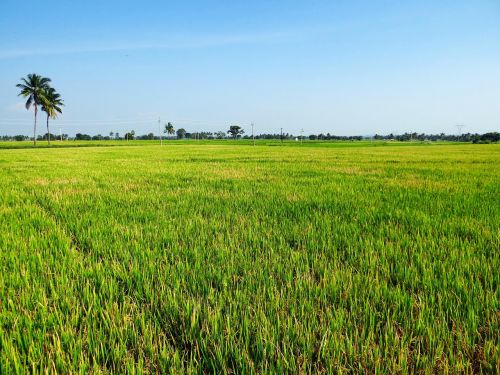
(225, 258)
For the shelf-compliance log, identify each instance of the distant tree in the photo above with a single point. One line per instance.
(46, 136)
(220, 135)
(111, 134)
(130, 135)
(181, 133)
(491, 137)
(82, 137)
(235, 131)
(117, 135)
(51, 104)
(205, 135)
(169, 128)
(32, 87)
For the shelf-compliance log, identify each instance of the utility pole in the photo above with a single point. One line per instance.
(60, 133)
(159, 131)
(253, 138)
(459, 127)
(301, 135)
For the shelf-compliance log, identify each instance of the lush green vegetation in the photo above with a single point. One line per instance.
(233, 258)
(225, 142)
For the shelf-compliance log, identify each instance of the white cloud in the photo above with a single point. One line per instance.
(169, 42)
(16, 107)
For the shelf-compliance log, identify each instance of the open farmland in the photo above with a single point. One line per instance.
(233, 258)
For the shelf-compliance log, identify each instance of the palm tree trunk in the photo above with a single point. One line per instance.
(48, 131)
(34, 129)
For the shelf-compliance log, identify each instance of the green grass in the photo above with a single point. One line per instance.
(231, 258)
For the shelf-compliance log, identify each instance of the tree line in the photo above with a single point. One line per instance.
(466, 137)
(181, 133)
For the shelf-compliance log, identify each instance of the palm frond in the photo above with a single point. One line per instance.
(29, 102)
(38, 91)
(44, 81)
(25, 92)
(51, 101)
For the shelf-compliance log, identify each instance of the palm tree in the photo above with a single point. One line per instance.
(51, 104)
(32, 87)
(169, 128)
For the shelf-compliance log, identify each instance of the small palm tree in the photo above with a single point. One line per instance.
(169, 128)
(32, 87)
(51, 105)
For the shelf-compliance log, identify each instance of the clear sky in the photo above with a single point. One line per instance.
(345, 67)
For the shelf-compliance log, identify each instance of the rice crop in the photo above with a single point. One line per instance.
(227, 258)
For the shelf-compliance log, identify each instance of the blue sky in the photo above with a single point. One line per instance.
(344, 67)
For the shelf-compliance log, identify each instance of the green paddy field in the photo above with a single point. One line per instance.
(223, 257)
